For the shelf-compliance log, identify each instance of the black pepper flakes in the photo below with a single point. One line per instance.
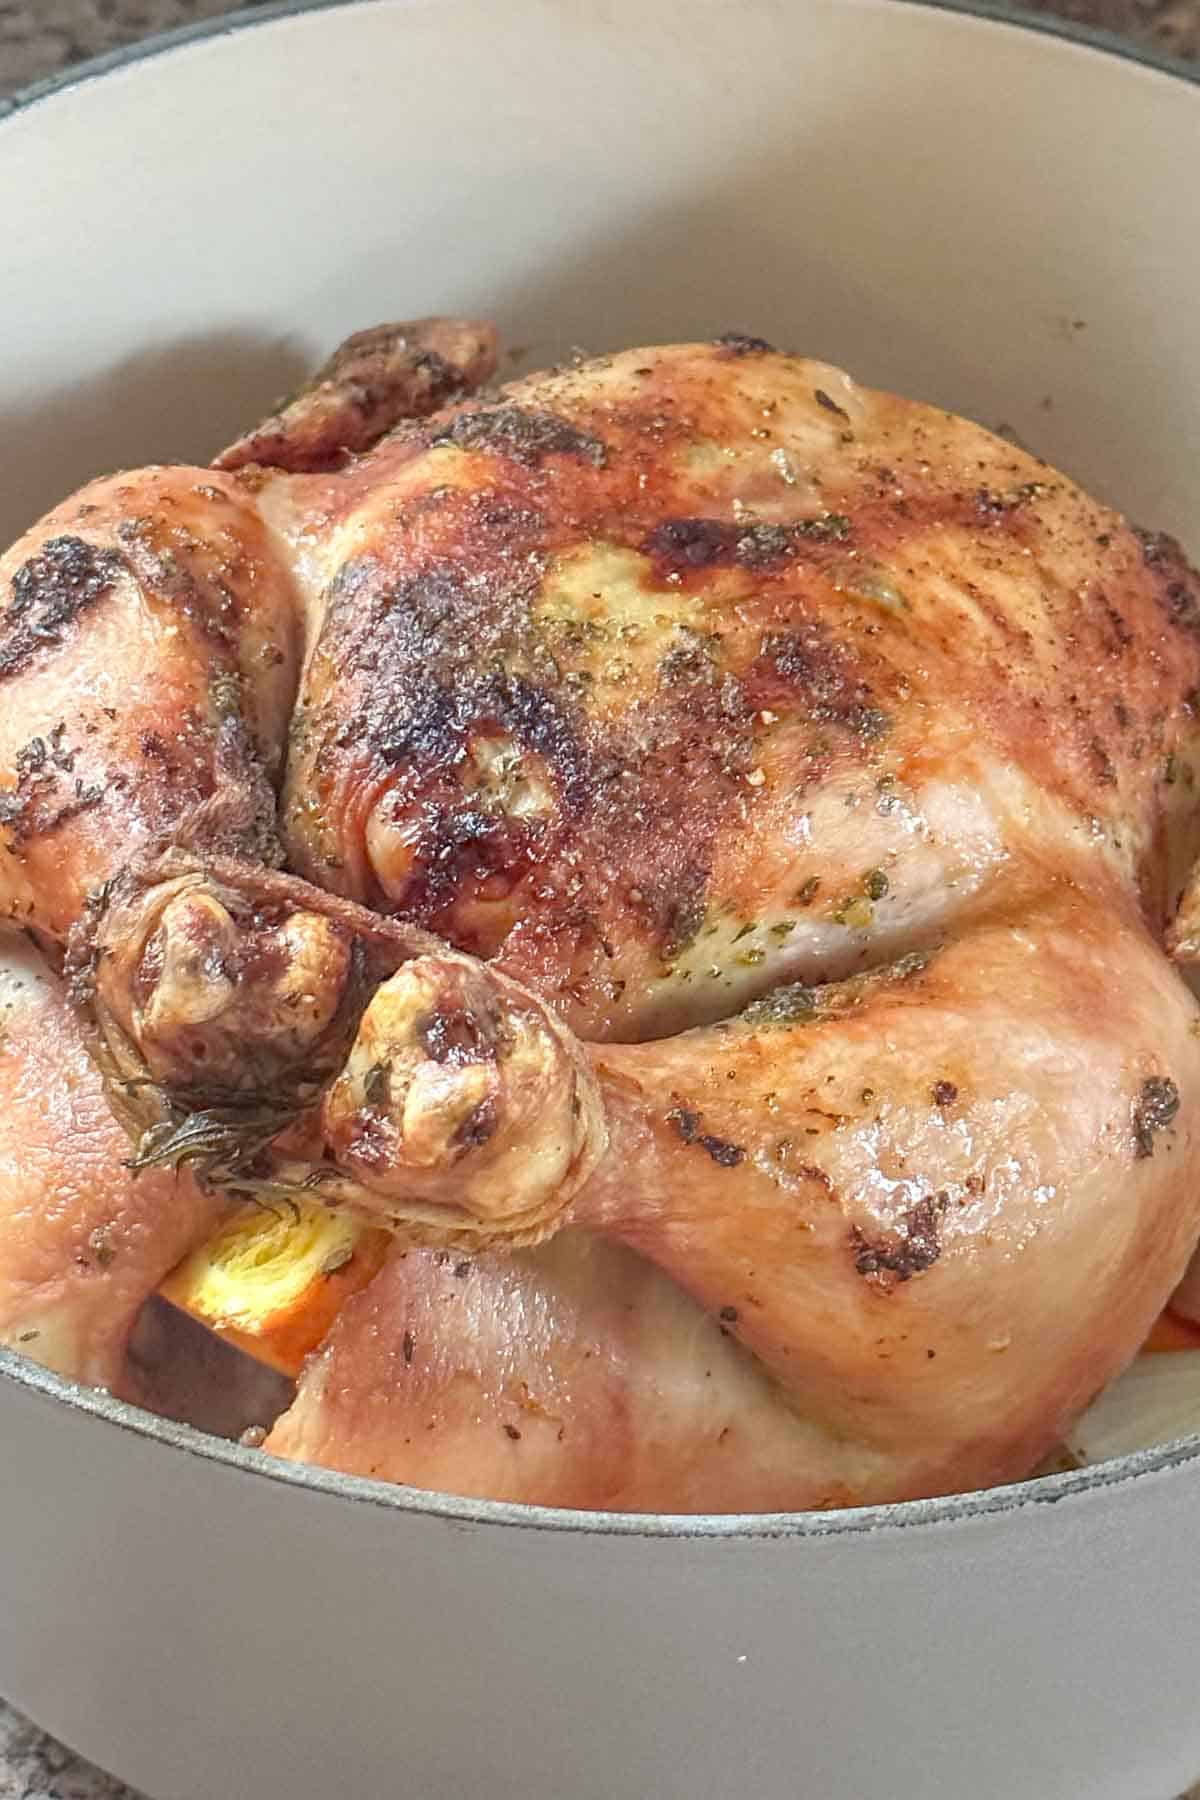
(944, 1093)
(407, 1347)
(1156, 1107)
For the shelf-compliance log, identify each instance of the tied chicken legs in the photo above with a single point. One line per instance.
(689, 846)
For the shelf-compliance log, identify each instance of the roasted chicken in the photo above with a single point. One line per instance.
(658, 881)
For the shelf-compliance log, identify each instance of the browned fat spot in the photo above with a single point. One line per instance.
(456, 1036)
(479, 1127)
(673, 906)
(1154, 1109)
(148, 973)
(687, 1123)
(527, 437)
(736, 343)
(829, 403)
(51, 591)
(915, 1247)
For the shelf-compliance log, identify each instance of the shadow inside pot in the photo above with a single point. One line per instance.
(168, 403)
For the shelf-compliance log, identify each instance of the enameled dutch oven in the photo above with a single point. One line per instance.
(983, 212)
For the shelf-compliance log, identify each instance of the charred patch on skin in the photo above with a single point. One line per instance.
(736, 343)
(425, 645)
(915, 1247)
(688, 1125)
(1159, 547)
(46, 795)
(1154, 1109)
(678, 545)
(807, 666)
(445, 382)
(692, 543)
(1177, 583)
(434, 621)
(434, 733)
(49, 593)
(429, 723)
(209, 602)
(526, 436)
(1181, 602)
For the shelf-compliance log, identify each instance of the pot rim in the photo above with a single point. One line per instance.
(893, 1516)
(908, 1515)
(245, 18)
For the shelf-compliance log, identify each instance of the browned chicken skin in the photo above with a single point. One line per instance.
(728, 824)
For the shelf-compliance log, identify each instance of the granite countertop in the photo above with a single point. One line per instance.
(43, 37)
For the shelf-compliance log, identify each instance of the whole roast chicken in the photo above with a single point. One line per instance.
(683, 851)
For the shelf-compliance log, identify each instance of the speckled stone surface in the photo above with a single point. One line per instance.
(34, 1767)
(43, 37)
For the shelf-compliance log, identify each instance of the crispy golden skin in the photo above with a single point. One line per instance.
(728, 826)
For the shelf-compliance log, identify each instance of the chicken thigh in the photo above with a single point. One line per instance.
(683, 842)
